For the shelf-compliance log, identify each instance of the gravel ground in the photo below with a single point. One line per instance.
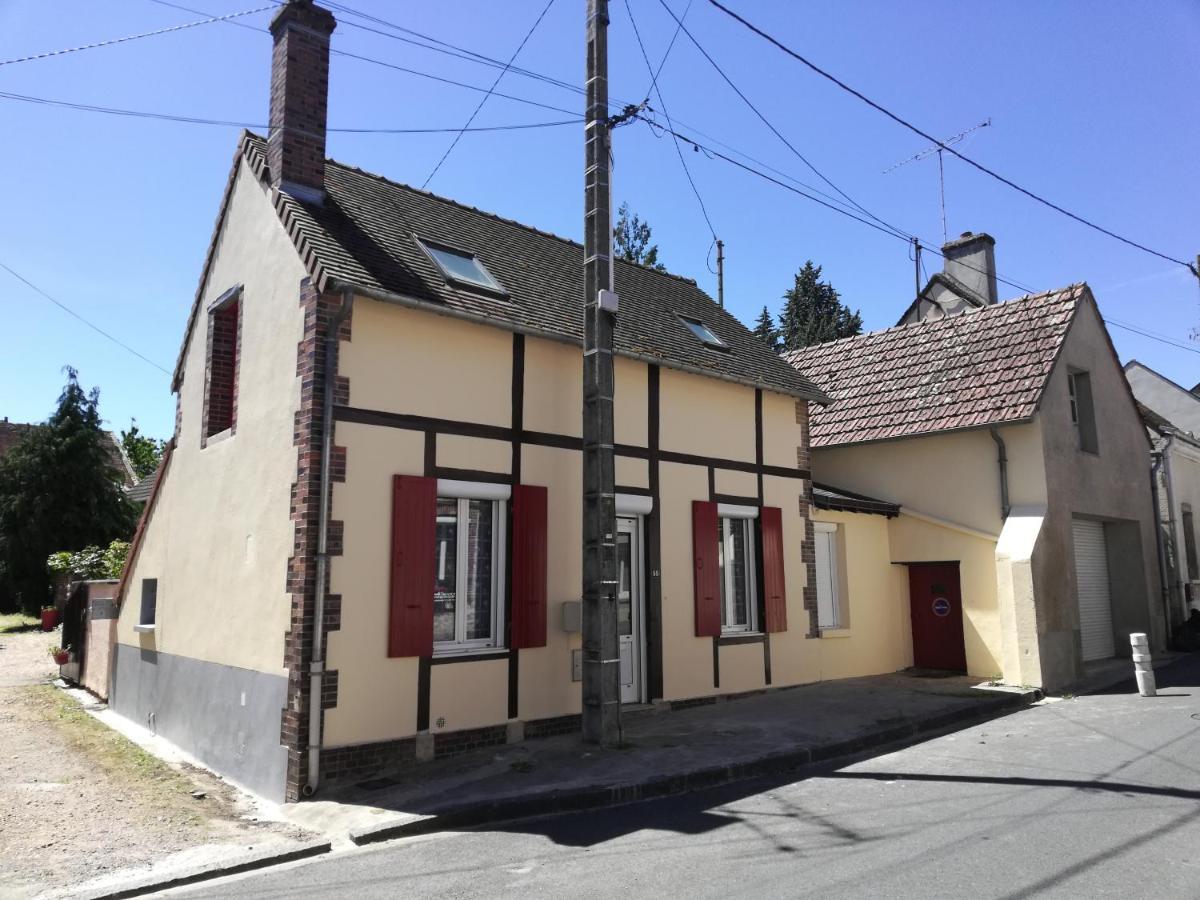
(79, 801)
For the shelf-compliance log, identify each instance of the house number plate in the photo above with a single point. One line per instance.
(941, 607)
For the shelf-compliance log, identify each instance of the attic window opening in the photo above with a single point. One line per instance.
(703, 332)
(461, 267)
(222, 364)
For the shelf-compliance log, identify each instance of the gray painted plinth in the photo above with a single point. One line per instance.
(226, 717)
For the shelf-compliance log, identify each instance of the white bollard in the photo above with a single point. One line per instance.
(1141, 665)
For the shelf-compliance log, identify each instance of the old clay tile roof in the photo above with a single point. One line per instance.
(364, 235)
(976, 369)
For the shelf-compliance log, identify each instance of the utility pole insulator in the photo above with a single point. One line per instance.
(601, 653)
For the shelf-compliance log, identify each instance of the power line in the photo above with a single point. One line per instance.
(670, 46)
(72, 312)
(982, 168)
(1151, 335)
(663, 103)
(776, 131)
(134, 37)
(484, 98)
(196, 120)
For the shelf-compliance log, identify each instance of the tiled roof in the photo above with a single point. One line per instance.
(364, 235)
(977, 369)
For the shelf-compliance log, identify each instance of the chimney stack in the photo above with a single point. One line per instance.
(299, 99)
(971, 260)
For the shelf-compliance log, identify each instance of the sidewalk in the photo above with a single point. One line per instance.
(663, 753)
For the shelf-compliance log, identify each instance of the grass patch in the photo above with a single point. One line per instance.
(11, 623)
(112, 752)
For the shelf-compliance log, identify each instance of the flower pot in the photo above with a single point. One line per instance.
(49, 619)
(62, 658)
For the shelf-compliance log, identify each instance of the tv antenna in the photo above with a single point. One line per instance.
(938, 149)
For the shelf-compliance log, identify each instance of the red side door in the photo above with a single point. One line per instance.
(937, 617)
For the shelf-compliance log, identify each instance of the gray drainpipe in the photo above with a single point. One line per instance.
(1176, 588)
(316, 666)
(1163, 575)
(1002, 459)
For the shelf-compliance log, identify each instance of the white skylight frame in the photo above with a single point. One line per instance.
(702, 332)
(435, 250)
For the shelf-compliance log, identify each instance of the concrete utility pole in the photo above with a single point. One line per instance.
(721, 274)
(601, 656)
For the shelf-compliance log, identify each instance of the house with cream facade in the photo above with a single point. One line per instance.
(1020, 541)
(364, 546)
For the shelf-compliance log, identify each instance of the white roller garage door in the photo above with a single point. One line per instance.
(1095, 601)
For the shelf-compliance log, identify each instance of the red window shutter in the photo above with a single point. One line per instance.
(770, 520)
(708, 569)
(414, 516)
(528, 566)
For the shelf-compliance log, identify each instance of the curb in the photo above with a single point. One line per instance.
(598, 796)
(248, 863)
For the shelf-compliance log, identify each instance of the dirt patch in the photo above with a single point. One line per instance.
(79, 801)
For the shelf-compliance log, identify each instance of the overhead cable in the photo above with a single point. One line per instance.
(71, 312)
(913, 128)
(134, 37)
(484, 98)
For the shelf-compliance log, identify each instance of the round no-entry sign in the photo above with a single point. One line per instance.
(941, 607)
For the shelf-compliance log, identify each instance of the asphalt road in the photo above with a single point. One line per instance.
(1091, 797)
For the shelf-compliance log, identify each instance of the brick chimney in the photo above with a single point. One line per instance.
(299, 98)
(971, 260)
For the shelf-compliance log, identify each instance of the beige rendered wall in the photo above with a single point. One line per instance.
(221, 534)
(1113, 485)
(877, 636)
(394, 357)
(952, 476)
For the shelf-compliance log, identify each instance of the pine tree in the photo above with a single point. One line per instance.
(58, 491)
(813, 312)
(765, 330)
(631, 240)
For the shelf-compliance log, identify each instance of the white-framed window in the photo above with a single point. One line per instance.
(468, 588)
(735, 553)
(148, 613)
(703, 332)
(829, 605)
(460, 266)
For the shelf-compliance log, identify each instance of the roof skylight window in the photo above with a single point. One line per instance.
(703, 332)
(461, 267)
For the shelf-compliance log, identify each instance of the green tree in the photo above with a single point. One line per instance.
(631, 237)
(765, 330)
(144, 452)
(813, 312)
(57, 489)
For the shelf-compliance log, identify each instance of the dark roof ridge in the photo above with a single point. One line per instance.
(358, 170)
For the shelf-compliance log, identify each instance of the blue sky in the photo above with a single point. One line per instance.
(1091, 103)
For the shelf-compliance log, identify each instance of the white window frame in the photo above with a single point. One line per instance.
(1074, 397)
(690, 322)
(743, 516)
(463, 492)
(489, 282)
(834, 599)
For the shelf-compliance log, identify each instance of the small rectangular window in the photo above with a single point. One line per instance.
(221, 375)
(735, 556)
(1083, 414)
(703, 332)
(829, 613)
(468, 567)
(149, 601)
(1189, 543)
(462, 267)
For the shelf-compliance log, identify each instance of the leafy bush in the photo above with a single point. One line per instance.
(90, 562)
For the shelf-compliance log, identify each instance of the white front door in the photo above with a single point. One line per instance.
(1092, 587)
(629, 609)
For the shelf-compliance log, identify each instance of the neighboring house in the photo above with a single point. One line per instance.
(1023, 542)
(1172, 416)
(12, 433)
(966, 283)
(426, 357)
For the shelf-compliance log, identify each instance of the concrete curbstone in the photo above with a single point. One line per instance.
(249, 862)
